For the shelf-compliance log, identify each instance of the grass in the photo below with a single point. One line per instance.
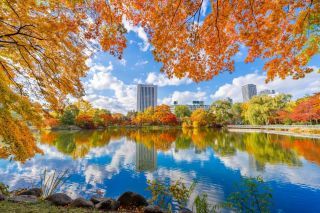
(43, 207)
(51, 181)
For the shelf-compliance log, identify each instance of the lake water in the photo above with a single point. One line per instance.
(116, 161)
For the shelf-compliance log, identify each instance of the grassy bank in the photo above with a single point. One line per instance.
(43, 207)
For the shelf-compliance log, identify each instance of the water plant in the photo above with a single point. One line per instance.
(51, 181)
(4, 189)
(165, 194)
(251, 195)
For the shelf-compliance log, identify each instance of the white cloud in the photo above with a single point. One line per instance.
(140, 63)
(101, 79)
(139, 31)
(185, 97)
(162, 80)
(204, 7)
(297, 88)
(188, 155)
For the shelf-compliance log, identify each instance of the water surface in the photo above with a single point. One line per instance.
(115, 161)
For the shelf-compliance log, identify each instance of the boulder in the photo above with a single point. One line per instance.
(132, 199)
(2, 197)
(97, 200)
(108, 205)
(59, 199)
(23, 199)
(152, 209)
(34, 191)
(82, 203)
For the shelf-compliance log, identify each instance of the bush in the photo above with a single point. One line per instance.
(85, 122)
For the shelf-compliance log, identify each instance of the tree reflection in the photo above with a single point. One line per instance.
(76, 144)
(262, 148)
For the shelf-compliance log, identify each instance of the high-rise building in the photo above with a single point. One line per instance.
(248, 91)
(146, 96)
(267, 92)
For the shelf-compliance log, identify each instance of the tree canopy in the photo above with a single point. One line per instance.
(44, 44)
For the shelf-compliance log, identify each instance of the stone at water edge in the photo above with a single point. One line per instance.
(82, 203)
(23, 199)
(59, 199)
(152, 209)
(97, 200)
(132, 199)
(2, 197)
(34, 191)
(108, 204)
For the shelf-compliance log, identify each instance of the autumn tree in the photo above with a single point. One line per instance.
(307, 110)
(222, 109)
(201, 117)
(262, 109)
(163, 115)
(182, 111)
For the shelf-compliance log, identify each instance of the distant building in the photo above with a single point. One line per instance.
(146, 96)
(248, 91)
(195, 105)
(267, 92)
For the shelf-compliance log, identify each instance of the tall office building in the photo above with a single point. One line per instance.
(248, 91)
(146, 96)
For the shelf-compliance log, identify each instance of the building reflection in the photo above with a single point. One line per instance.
(255, 165)
(146, 158)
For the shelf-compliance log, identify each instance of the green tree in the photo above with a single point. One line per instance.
(68, 118)
(237, 110)
(182, 111)
(262, 109)
(222, 110)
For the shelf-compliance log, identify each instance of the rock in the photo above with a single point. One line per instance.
(108, 205)
(59, 199)
(34, 191)
(152, 209)
(2, 197)
(97, 200)
(132, 199)
(82, 203)
(185, 210)
(24, 199)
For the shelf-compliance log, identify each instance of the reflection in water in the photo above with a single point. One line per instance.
(146, 158)
(216, 159)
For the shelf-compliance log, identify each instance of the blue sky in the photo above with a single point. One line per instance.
(111, 83)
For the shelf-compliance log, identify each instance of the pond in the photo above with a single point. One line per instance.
(114, 161)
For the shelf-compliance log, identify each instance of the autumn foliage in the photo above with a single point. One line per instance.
(307, 110)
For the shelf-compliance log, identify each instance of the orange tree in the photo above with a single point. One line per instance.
(307, 110)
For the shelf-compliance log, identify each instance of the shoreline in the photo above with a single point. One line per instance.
(278, 132)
